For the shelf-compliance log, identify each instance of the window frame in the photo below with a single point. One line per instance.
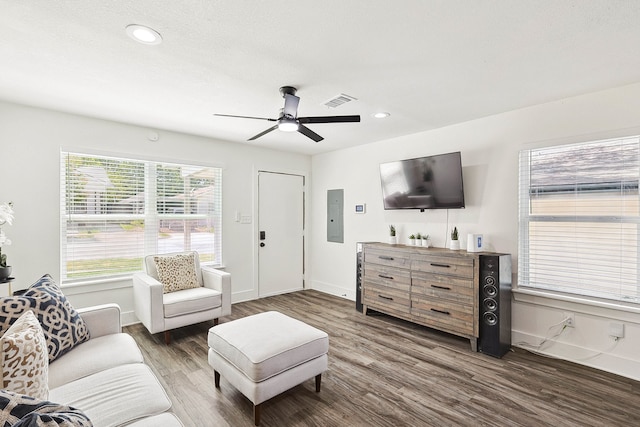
(526, 217)
(151, 217)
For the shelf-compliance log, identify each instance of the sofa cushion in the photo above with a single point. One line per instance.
(176, 272)
(190, 301)
(62, 325)
(95, 355)
(166, 419)
(115, 396)
(266, 344)
(17, 410)
(24, 358)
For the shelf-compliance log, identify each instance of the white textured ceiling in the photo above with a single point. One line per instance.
(429, 63)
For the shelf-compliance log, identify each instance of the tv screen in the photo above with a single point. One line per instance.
(432, 182)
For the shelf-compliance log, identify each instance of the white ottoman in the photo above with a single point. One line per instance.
(266, 354)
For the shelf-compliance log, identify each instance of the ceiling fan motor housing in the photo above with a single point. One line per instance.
(287, 90)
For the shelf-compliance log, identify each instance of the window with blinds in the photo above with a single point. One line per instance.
(579, 215)
(115, 211)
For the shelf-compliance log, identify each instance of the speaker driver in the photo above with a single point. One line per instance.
(490, 318)
(490, 291)
(489, 280)
(490, 304)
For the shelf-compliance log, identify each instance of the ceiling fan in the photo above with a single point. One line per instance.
(289, 121)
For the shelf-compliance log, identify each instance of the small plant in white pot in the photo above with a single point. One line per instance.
(392, 235)
(455, 243)
(412, 239)
(425, 240)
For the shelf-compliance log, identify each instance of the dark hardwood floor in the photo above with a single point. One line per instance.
(387, 372)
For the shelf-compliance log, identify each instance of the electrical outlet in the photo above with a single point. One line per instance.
(616, 330)
(570, 320)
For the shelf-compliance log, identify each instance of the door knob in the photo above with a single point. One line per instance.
(262, 245)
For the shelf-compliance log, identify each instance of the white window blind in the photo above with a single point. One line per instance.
(115, 211)
(579, 216)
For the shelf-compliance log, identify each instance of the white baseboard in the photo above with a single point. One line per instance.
(332, 289)
(594, 358)
(128, 318)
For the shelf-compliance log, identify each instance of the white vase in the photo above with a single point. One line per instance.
(454, 245)
(393, 240)
(425, 243)
(412, 242)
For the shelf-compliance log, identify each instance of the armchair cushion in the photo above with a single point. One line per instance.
(176, 272)
(190, 301)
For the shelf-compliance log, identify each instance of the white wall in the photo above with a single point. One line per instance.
(489, 149)
(30, 142)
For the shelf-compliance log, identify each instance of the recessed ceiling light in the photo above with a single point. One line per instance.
(381, 115)
(143, 34)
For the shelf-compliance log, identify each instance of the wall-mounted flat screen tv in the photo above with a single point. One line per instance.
(432, 182)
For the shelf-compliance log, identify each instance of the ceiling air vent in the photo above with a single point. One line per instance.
(338, 100)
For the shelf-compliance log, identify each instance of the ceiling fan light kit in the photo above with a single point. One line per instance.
(288, 120)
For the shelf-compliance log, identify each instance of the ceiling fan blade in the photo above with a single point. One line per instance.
(247, 117)
(291, 105)
(329, 119)
(263, 133)
(309, 133)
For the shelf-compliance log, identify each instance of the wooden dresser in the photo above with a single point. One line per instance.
(434, 287)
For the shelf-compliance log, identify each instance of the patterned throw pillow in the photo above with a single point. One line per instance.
(177, 272)
(24, 358)
(62, 325)
(18, 410)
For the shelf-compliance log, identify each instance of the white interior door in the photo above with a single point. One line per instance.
(281, 233)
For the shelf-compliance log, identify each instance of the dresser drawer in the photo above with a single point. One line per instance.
(392, 277)
(385, 257)
(448, 266)
(385, 298)
(442, 314)
(456, 289)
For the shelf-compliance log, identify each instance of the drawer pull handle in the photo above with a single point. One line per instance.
(386, 258)
(441, 287)
(385, 277)
(441, 311)
(440, 265)
(387, 298)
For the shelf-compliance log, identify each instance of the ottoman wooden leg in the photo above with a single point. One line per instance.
(256, 413)
(216, 378)
(318, 380)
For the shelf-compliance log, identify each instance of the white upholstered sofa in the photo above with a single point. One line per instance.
(106, 377)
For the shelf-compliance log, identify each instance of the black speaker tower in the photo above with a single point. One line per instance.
(495, 304)
(359, 261)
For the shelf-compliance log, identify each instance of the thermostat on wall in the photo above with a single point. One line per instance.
(361, 208)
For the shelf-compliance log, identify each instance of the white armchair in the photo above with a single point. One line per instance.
(162, 312)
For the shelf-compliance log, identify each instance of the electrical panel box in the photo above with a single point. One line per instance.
(335, 216)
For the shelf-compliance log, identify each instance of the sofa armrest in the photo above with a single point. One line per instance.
(220, 281)
(102, 319)
(148, 302)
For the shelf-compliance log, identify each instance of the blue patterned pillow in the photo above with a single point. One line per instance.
(62, 325)
(18, 410)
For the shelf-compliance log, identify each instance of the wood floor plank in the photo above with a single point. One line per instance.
(387, 372)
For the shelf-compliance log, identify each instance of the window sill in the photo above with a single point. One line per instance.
(107, 283)
(626, 312)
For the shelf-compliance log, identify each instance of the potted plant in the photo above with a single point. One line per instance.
(6, 217)
(392, 235)
(425, 240)
(412, 239)
(455, 243)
